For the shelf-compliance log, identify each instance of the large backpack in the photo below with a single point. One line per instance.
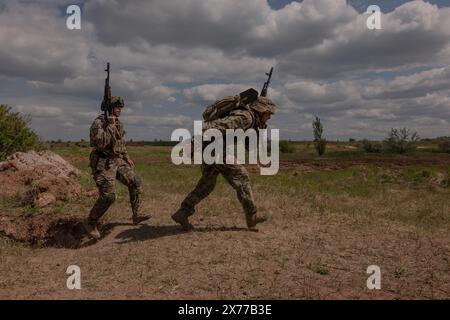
(222, 107)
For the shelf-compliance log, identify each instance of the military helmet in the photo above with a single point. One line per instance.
(263, 105)
(117, 102)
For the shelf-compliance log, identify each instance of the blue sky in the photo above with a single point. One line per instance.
(170, 59)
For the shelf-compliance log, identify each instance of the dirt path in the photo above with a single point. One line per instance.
(319, 257)
(325, 163)
(342, 163)
(310, 250)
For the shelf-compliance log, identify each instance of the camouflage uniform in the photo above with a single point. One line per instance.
(236, 175)
(109, 161)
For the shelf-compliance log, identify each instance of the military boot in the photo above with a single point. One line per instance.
(182, 217)
(140, 218)
(91, 229)
(254, 219)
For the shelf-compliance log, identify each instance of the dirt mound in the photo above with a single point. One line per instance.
(45, 231)
(40, 178)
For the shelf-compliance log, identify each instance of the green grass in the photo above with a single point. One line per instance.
(406, 194)
(72, 151)
(352, 181)
(305, 150)
(328, 225)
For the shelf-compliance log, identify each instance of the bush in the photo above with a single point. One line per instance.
(400, 141)
(371, 146)
(15, 135)
(286, 147)
(319, 142)
(444, 146)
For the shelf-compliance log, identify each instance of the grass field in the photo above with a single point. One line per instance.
(332, 218)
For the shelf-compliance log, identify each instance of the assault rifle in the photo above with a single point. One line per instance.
(106, 103)
(266, 84)
(251, 95)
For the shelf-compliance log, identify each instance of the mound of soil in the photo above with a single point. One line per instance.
(43, 230)
(39, 178)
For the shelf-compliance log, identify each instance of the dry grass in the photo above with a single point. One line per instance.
(328, 227)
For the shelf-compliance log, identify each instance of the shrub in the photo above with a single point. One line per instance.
(371, 146)
(286, 147)
(15, 134)
(400, 141)
(444, 146)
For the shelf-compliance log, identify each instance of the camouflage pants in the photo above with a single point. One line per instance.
(235, 175)
(105, 173)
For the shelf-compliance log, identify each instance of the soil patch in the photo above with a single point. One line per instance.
(45, 231)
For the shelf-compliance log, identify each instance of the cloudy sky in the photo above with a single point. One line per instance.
(171, 58)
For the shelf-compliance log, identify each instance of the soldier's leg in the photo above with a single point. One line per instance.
(105, 181)
(127, 176)
(203, 188)
(237, 177)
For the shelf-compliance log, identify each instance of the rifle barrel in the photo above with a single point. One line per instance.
(266, 84)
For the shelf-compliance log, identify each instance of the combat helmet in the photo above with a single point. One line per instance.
(263, 105)
(117, 101)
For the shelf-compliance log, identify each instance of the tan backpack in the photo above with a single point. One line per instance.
(222, 107)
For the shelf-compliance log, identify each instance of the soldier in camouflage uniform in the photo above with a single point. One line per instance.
(255, 116)
(109, 161)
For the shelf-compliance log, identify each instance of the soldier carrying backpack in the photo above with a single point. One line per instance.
(244, 111)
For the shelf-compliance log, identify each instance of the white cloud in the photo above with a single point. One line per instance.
(171, 58)
(208, 93)
(39, 111)
(167, 121)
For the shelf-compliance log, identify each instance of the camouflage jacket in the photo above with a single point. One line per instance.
(237, 119)
(108, 141)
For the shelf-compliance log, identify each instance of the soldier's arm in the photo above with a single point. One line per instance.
(101, 138)
(124, 153)
(237, 120)
(123, 150)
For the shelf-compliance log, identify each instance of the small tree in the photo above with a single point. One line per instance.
(401, 141)
(15, 135)
(319, 142)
